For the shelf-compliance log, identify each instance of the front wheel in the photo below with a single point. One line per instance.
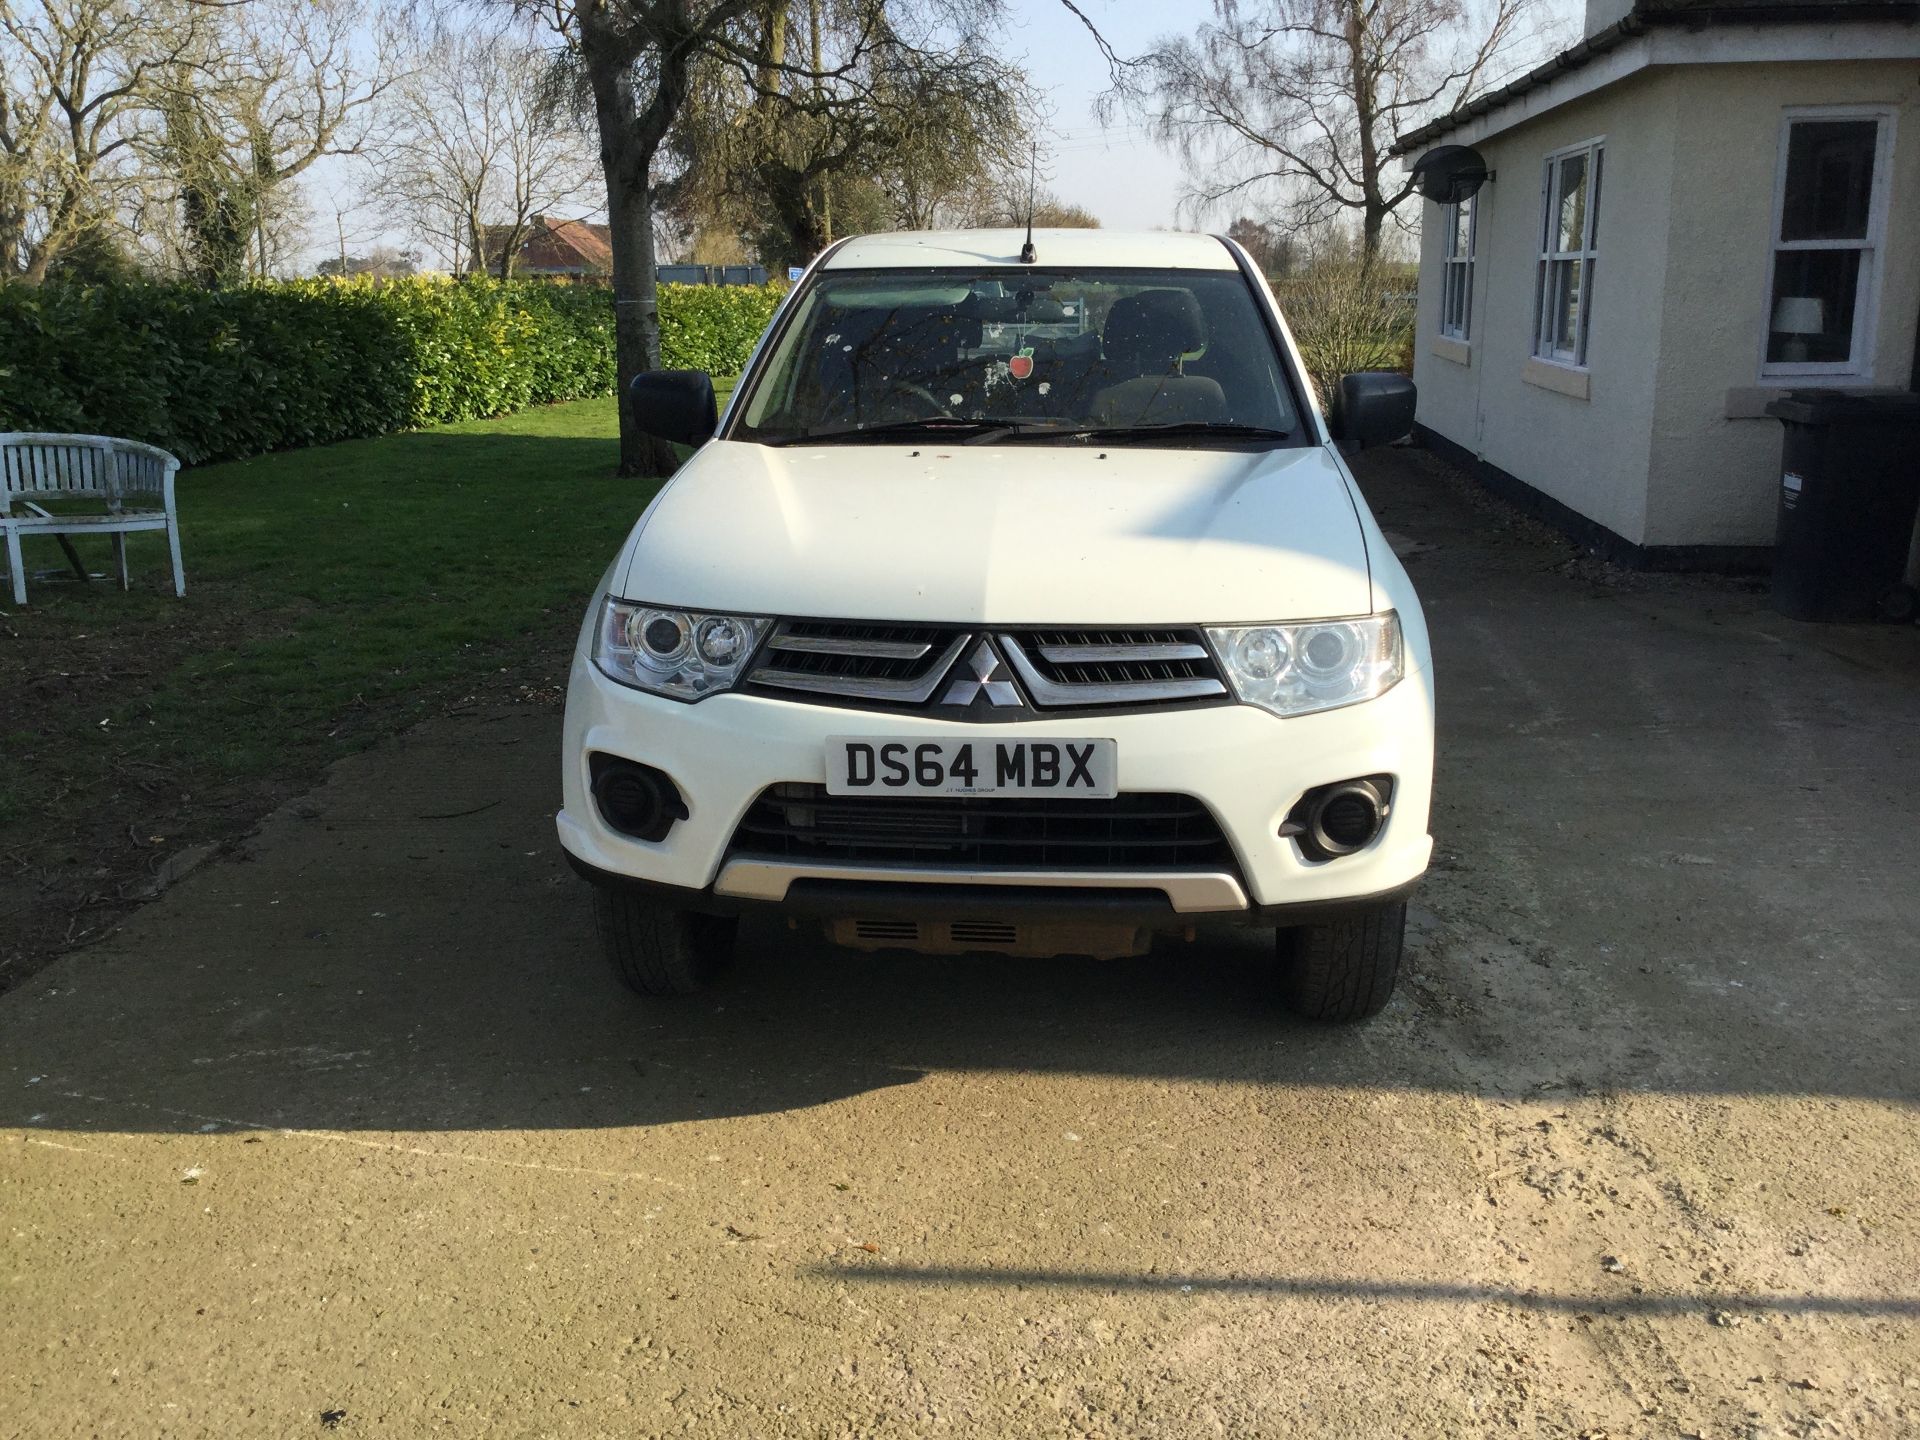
(657, 950)
(1343, 969)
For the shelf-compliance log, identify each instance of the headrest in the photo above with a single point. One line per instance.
(1153, 329)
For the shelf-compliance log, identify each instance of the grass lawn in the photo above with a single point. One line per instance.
(333, 596)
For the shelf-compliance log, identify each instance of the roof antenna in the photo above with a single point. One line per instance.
(1027, 253)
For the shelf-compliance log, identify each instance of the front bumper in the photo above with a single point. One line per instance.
(1247, 766)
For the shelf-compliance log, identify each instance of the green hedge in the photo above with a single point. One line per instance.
(713, 327)
(212, 375)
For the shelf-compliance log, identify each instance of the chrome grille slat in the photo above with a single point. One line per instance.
(827, 645)
(1093, 654)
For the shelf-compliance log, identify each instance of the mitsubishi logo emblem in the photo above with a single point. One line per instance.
(987, 677)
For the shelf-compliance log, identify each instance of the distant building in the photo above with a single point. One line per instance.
(554, 249)
(581, 250)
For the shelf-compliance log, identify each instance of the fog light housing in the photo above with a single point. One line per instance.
(634, 799)
(1340, 819)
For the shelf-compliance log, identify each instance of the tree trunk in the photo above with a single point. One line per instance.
(629, 136)
(1363, 81)
(636, 312)
(510, 243)
(1374, 223)
(61, 228)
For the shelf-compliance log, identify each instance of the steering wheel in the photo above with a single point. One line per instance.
(933, 402)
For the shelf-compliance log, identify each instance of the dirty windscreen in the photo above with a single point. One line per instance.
(1014, 355)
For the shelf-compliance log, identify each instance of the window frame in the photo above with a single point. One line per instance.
(1586, 257)
(1450, 261)
(1858, 365)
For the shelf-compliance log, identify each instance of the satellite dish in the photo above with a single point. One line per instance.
(1448, 174)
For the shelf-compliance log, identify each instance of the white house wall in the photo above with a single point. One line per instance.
(1592, 453)
(1713, 475)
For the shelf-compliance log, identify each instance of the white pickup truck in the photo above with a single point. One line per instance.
(1020, 602)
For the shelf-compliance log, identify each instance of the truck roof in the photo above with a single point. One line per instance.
(1148, 249)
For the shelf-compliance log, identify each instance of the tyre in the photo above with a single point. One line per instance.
(1343, 969)
(657, 950)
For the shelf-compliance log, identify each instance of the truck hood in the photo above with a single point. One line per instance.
(1003, 534)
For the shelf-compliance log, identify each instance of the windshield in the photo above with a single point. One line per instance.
(998, 355)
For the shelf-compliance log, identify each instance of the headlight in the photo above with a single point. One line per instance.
(1314, 665)
(685, 654)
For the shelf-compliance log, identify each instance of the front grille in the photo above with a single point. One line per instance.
(804, 824)
(864, 661)
(904, 665)
(1106, 667)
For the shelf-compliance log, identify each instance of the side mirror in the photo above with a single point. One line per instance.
(676, 405)
(1372, 407)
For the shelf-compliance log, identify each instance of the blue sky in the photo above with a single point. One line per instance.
(1117, 173)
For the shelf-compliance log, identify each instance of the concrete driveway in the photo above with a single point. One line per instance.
(351, 1132)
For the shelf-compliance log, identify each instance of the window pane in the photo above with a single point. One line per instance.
(1586, 291)
(1593, 205)
(1460, 229)
(1565, 306)
(1573, 203)
(1829, 180)
(1813, 302)
(1456, 298)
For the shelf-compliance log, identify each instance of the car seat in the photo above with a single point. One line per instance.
(1147, 337)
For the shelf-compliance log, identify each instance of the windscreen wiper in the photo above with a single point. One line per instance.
(936, 427)
(1172, 430)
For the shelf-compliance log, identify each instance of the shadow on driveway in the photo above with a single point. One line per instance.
(1585, 1306)
(1676, 851)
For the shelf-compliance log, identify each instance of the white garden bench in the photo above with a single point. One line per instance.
(135, 482)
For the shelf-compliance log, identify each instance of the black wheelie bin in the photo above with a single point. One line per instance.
(1849, 489)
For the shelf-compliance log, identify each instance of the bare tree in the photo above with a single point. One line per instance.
(1270, 245)
(478, 150)
(1306, 96)
(938, 176)
(348, 216)
(1012, 200)
(299, 83)
(382, 262)
(893, 113)
(78, 80)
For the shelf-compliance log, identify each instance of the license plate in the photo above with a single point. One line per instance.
(1078, 769)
